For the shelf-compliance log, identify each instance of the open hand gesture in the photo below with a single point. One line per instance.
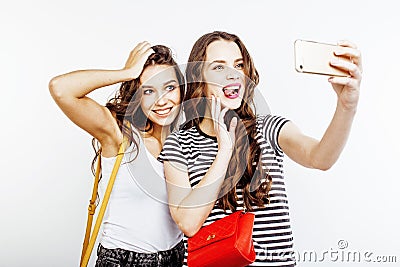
(225, 137)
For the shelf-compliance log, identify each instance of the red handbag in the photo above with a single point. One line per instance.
(226, 242)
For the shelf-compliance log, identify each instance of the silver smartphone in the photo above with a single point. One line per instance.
(314, 57)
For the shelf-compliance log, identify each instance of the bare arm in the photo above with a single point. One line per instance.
(69, 92)
(189, 206)
(322, 154)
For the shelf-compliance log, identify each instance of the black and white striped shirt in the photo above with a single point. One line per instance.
(272, 234)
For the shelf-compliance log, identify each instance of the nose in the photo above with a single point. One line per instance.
(161, 99)
(232, 74)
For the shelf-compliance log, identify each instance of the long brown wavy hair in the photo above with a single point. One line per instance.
(245, 163)
(125, 105)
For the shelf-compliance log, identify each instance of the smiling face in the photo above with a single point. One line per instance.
(223, 73)
(160, 94)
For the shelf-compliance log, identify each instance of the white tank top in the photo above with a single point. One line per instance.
(137, 216)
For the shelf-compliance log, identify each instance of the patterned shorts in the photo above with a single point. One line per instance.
(124, 258)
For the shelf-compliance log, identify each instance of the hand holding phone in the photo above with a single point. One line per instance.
(314, 57)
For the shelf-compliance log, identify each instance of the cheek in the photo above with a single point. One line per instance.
(146, 103)
(242, 76)
(215, 78)
(212, 89)
(176, 98)
(213, 82)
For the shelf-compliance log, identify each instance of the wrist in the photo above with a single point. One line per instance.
(126, 75)
(347, 108)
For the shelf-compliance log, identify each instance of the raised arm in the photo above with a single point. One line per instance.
(70, 93)
(189, 206)
(322, 154)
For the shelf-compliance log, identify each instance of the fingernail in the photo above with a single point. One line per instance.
(334, 62)
(339, 52)
(234, 121)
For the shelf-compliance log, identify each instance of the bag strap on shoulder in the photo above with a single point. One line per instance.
(90, 239)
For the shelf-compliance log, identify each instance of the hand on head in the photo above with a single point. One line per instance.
(137, 59)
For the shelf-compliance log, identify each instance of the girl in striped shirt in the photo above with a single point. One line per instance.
(227, 157)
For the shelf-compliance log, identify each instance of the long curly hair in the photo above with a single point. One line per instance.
(125, 105)
(245, 163)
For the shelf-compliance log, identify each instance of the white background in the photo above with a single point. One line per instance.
(45, 159)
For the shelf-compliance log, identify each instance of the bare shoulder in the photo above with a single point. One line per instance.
(153, 145)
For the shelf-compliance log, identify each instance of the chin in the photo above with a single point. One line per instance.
(232, 104)
(163, 122)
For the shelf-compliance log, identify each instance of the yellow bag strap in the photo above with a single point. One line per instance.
(92, 207)
(90, 240)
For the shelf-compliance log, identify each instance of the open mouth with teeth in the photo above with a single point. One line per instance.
(231, 91)
(162, 112)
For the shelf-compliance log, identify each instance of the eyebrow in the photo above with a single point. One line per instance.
(223, 61)
(149, 86)
(170, 81)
